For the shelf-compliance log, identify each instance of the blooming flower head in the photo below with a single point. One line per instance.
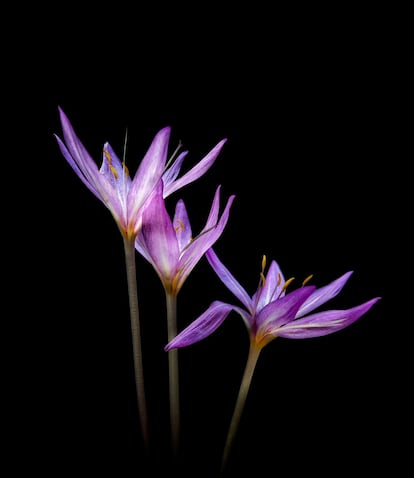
(169, 245)
(111, 183)
(273, 312)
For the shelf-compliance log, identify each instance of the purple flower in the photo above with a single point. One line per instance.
(112, 184)
(169, 245)
(272, 312)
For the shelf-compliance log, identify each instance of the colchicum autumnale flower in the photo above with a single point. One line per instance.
(172, 250)
(125, 198)
(270, 313)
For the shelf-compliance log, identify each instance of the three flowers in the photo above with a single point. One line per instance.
(138, 206)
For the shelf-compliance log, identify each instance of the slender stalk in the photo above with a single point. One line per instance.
(171, 300)
(129, 247)
(254, 353)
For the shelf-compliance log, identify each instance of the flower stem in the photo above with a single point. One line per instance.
(171, 300)
(129, 247)
(254, 353)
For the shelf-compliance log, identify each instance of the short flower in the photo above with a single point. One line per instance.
(272, 312)
(169, 244)
(123, 196)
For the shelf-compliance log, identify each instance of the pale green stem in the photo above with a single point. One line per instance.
(254, 353)
(171, 300)
(129, 247)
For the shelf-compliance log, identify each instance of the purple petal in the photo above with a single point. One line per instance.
(182, 225)
(149, 171)
(229, 280)
(157, 236)
(197, 171)
(323, 294)
(77, 156)
(283, 310)
(202, 327)
(323, 323)
(172, 172)
(273, 287)
(198, 247)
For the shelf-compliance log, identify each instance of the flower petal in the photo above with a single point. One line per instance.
(149, 172)
(202, 327)
(198, 170)
(323, 294)
(229, 280)
(323, 323)
(156, 239)
(200, 244)
(182, 225)
(283, 310)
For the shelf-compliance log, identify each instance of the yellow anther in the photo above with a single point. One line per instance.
(179, 226)
(307, 280)
(263, 263)
(263, 279)
(114, 171)
(287, 283)
(124, 167)
(107, 156)
(279, 279)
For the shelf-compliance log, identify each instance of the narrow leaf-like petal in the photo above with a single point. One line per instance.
(228, 279)
(198, 170)
(202, 327)
(323, 294)
(323, 323)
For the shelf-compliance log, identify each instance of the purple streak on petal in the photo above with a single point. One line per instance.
(157, 236)
(202, 327)
(323, 294)
(283, 310)
(149, 171)
(324, 323)
(229, 280)
(182, 225)
(198, 170)
(172, 172)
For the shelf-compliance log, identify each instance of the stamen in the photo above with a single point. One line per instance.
(114, 171)
(173, 155)
(307, 280)
(263, 262)
(279, 278)
(124, 167)
(179, 226)
(263, 279)
(287, 283)
(107, 156)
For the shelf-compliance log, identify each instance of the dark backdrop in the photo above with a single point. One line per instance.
(310, 102)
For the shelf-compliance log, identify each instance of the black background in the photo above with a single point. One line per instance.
(311, 101)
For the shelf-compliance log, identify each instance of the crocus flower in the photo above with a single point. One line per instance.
(269, 313)
(112, 184)
(172, 250)
(125, 197)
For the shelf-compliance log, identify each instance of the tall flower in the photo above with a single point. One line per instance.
(125, 197)
(172, 250)
(269, 313)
